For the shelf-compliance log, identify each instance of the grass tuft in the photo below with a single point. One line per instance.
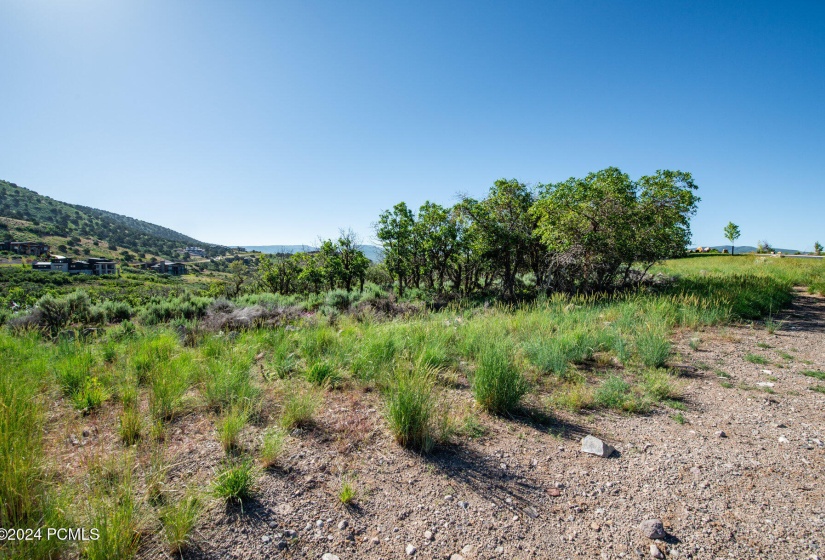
(497, 385)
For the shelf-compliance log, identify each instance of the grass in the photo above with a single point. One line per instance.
(653, 347)
(272, 447)
(497, 384)
(131, 425)
(299, 408)
(411, 409)
(235, 481)
(816, 374)
(817, 388)
(679, 418)
(347, 493)
(756, 359)
(230, 427)
(617, 394)
(177, 520)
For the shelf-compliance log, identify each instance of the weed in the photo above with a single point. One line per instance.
(815, 374)
(679, 418)
(660, 385)
(722, 374)
(763, 345)
(572, 396)
(726, 384)
(785, 355)
(695, 343)
(91, 396)
(323, 374)
(618, 394)
(472, 428)
(817, 388)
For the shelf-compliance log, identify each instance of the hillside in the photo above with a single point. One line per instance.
(372, 252)
(28, 216)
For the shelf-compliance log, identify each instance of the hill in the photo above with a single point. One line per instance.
(77, 230)
(372, 252)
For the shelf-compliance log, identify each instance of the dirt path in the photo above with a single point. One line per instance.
(524, 490)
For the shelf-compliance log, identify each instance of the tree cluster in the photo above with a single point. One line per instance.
(595, 233)
(336, 264)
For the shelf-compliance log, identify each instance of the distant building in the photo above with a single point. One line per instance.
(195, 251)
(166, 267)
(91, 266)
(34, 248)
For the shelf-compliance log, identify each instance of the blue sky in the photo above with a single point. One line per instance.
(279, 122)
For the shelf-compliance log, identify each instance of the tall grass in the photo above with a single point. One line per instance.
(411, 408)
(497, 384)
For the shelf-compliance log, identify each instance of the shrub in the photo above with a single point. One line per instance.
(497, 385)
(338, 299)
(660, 385)
(235, 481)
(410, 409)
(55, 313)
(117, 311)
(228, 382)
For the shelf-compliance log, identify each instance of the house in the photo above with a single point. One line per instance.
(92, 266)
(195, 251)
(28, 248)
(166, 267)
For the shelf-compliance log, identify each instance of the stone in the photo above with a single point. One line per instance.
(456, 557)
(555, 492)
(410, 550)
(463, 505)
(343, 524)
(281, 545)
(652, 529)
(531, 512)
(655, 552)
(783, 439)
(329, 556)
(721, 434)
(266, 538)
(467, 550)
(595, 446)
(319, 523)
(428, 535)
(290, 534)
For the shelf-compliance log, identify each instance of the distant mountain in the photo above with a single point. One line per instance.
(748, 249)
(28, 216)
(372, 252)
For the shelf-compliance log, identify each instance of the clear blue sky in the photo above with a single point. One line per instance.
(278, 122)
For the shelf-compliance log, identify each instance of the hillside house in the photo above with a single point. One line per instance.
(92, 266)
(195, 251)
(34, 248)
(166, 267)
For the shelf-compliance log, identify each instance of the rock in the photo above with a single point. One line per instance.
(281, 545)
(595, 446)
(721, 434)
(467, 550)
(655, 552)
(428, 535)
(375, 540)
(448, 498)
(272, 524)
(783, 439)
(85, 433)
(456, 557)
(463, 505)
(531, 512)
(554, 492)
(595, 526)
(290, 534)
(319, 523)
(343, 524)
(329, 556)
(652, 529)
(266, 538)
(410, 550)
(764, 384)
(308, 527)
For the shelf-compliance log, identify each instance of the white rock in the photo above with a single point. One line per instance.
(343, 524)
(428, 535)
(783, 439)
(595, 446)
(328, 556)
(652, 529)
(456, 557)
(410, 550)
(655, 552)
(765, 384)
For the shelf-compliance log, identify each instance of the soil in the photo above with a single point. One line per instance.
(524, 489)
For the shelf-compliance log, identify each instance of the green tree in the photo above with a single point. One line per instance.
(817, 248)
(395, 231)
(732, 233)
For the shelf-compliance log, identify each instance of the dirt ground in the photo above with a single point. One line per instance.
(525, 490)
